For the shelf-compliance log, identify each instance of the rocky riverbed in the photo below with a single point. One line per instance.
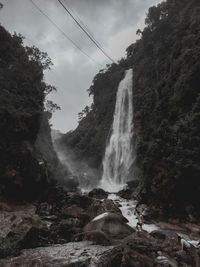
(94, 229)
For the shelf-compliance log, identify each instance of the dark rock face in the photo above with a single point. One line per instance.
(98, 193)
(82, 201)
(126, 193)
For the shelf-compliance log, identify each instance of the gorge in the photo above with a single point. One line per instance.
(76, 199)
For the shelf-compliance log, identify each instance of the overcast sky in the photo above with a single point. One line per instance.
(112, 22)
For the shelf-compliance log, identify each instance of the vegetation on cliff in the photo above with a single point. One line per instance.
(24, 171)
(166, 100)
(166, 65)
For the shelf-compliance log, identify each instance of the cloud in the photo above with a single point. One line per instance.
(112, 22)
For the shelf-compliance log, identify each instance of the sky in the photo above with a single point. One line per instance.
(112, 22)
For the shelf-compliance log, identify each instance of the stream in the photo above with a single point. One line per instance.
(127, 208)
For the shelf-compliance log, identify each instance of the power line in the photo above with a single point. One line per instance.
(80, 21)
(63, 33)
(86, 32)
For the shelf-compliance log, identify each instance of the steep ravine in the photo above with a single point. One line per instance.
(166, 71)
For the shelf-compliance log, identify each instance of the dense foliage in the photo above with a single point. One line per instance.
(23, 168)
(166, 64)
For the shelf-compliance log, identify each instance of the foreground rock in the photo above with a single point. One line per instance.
(111, 224)
(98, 193)
(80, 254)
(101, 206)
(18, 224)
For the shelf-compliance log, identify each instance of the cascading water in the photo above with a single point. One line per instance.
(119, 155)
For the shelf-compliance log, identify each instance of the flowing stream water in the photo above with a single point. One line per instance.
(119, 155)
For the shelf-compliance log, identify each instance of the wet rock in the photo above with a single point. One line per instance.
(82, 201)
(158, 234)
(139, 250)
(97, 238)
(16, 226)
(79, 254)
(125, 193)
(56, 196)
(75, 211)
(36, 237)
(66, 230)
(98, 207)
(114, 225)
(112, 258)
(70, 222)
(134, 259)
(9, 245)
(62, 233)
(186, 258)
(44, 209)
(98, 193)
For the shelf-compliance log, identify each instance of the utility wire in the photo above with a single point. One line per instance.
(80, 21)
(85, 31)
(63, 33)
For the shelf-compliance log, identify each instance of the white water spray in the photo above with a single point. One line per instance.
(119, 155)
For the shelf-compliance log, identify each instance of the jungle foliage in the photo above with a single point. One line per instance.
(166, 97)
(23, 168)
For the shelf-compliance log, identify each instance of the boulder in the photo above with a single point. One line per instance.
(64, 232)
(36, 237)
(82, 201)
(134, 259)
(75, 211)
(159, 234)
(112, 258)
(44, 209)
(98, 207)
(98, 193)
(125, 193)
(114, 225)
(17, 225)
(97, 238)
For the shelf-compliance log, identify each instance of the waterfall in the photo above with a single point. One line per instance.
(118, 156)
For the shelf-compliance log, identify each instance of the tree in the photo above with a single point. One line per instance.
(41, 58)
(51, 107)
(138, 32)
(83, 113)
(153, 17)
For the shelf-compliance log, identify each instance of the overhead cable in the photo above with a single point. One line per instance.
(63, 33)
(85, 31)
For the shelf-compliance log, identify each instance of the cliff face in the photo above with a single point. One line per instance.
(166, 102)
(24, 172)
(166, 66)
